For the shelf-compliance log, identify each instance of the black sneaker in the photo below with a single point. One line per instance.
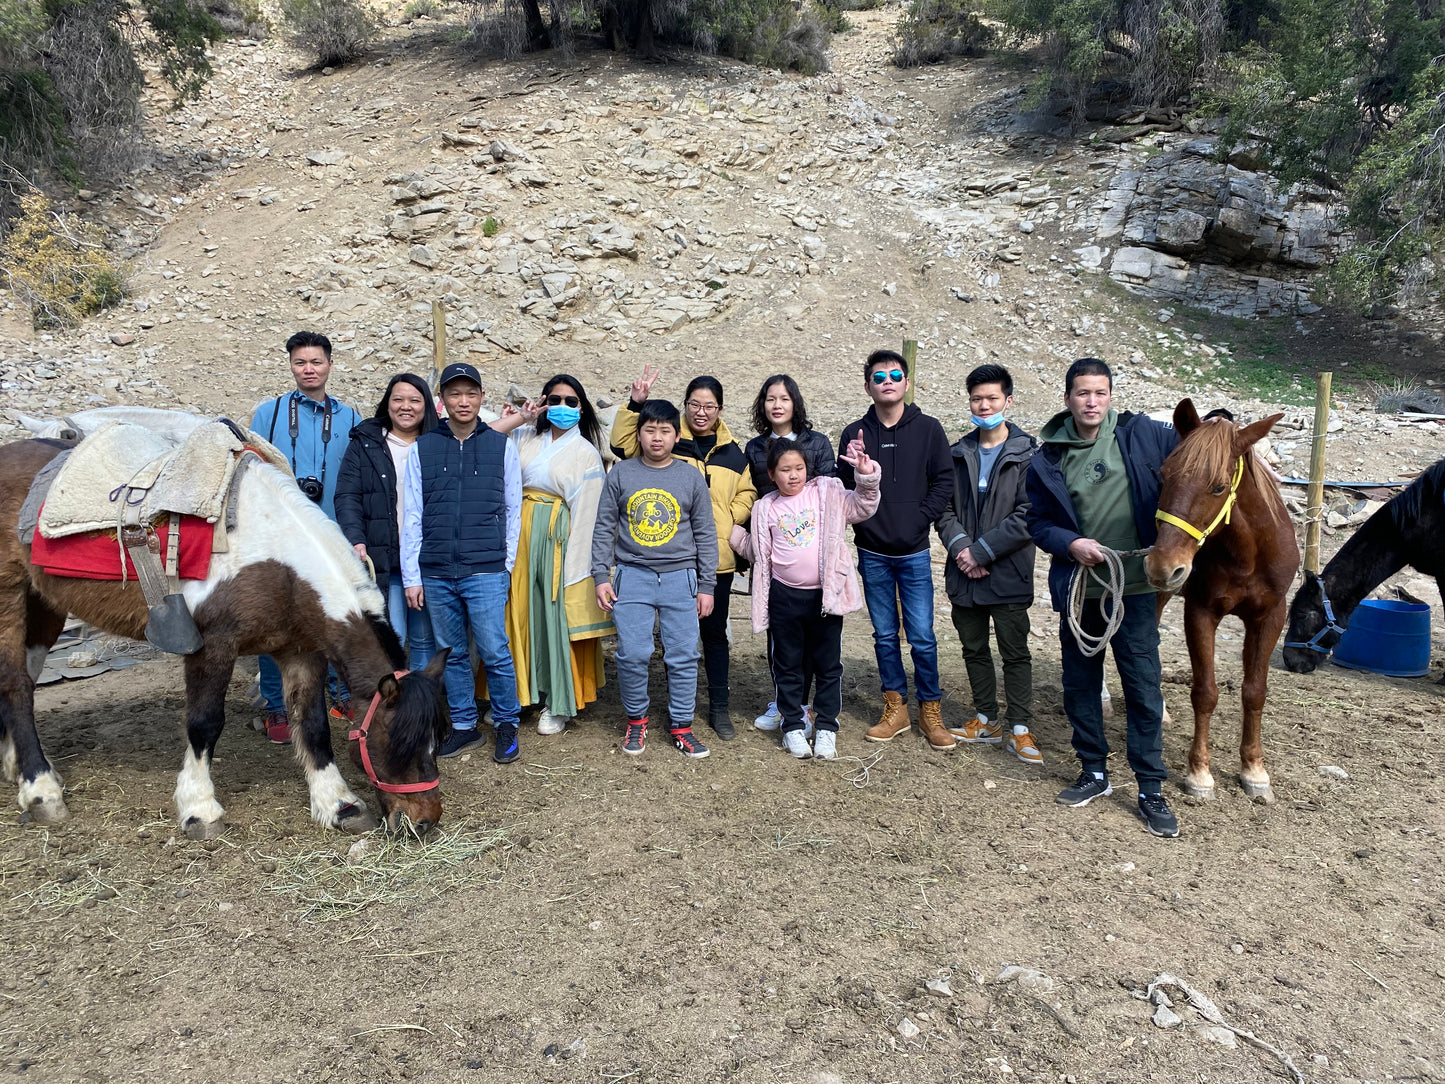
(687, 744)
(1157, 816)
(634, 738)
(721, 723)
(506, 749)
(458, 743)
(1085, 789)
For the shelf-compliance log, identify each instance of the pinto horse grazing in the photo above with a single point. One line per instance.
(1409, 530)
(1227, 545)
(288, 585)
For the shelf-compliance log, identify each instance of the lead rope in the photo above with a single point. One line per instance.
(1111, 599)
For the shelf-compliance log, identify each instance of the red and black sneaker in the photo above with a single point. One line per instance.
(343, 712)
(278, 728)
(686, 743)
(634, 739)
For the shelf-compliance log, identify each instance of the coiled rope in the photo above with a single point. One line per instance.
(1111, 598)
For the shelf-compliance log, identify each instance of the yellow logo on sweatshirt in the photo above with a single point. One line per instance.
(653, 516)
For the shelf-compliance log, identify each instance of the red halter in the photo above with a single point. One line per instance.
(359, 736)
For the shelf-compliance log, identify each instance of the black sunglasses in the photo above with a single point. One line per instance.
(895, 375)
(558, 400)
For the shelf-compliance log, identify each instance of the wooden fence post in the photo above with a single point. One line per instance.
(910, 355)
(438, 342)
(1315, 499)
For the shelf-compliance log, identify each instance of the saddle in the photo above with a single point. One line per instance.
(129, 480)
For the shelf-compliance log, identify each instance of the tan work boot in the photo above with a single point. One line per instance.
(930, 721)
(893, 722)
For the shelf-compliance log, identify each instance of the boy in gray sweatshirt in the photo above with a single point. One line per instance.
(655, 521)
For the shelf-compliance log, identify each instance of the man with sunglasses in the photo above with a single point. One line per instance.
(912, 450)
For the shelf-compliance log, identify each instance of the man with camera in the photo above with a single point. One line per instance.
(312, 429)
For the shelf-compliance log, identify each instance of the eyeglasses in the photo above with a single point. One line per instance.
(701, 408)
(895, 375)
(558, 400)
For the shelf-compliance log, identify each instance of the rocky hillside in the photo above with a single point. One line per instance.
(710, 217)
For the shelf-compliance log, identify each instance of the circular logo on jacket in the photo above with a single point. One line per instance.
(1096, 472)
(653, 516)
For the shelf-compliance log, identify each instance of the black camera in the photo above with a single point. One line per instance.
(312, 487)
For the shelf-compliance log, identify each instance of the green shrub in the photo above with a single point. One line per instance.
(333, 31)
(490, 227)
(58, 266)
(420, 9)
(931, 31)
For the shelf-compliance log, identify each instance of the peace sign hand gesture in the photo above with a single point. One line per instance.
(642, 387)
(857, 458)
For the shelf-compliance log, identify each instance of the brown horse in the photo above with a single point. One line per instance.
(289, 586)
(1227, 545)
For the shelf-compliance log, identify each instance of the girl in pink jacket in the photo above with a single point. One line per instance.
(804, 582)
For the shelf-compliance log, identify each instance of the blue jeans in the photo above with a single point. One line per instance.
(272, 690)
(477, 604)
(412, 627)
(888, 583)
(645, 597)
(1136, 656)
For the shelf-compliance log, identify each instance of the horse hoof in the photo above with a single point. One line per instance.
(46, 811)
(355, 819)
(200, 830)
(1258, 792)
(1194, 790)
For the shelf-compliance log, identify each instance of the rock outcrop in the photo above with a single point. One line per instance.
(1185, 226)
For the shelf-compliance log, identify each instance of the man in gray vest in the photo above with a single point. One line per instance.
(462, 518)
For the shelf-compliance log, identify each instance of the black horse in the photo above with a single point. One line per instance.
(1409, 530)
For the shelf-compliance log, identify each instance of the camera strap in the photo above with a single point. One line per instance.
(293, 423)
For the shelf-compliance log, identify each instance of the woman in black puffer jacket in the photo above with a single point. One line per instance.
(368, 500)
(779, 414)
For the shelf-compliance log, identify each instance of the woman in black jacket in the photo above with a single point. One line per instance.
(780, 414)
(368, 500)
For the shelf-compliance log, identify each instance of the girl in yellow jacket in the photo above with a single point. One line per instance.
(706, 443)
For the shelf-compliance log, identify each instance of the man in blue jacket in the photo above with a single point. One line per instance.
(462, 518)
(1094, 483)
(312, 429)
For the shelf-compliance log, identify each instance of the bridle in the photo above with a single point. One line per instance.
(1195, 533)
(359, 736)
(1314, 643)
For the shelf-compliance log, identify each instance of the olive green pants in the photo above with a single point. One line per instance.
(1011, 626)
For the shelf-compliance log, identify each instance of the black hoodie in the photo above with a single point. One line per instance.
(917, 480)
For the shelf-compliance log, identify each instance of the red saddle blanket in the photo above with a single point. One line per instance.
(96, 556)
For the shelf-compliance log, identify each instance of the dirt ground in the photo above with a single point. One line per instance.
(585, 916)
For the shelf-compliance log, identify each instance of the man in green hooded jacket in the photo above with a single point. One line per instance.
(1094, 484)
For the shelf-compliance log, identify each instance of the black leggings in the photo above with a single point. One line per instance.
(714, 631)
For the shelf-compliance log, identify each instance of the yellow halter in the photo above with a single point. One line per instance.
(1193, 532)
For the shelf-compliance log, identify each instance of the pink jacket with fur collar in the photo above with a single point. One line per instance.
(837, 507)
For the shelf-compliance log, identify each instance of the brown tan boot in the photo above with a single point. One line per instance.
(930, 721)
(894, 721)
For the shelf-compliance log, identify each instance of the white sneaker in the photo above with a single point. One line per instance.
(796, 744)
(825, 745)
(547, 723)
(770, 719)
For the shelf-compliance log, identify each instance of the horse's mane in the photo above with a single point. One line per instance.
(1418, 505)
(421, 716)
(1208, 451)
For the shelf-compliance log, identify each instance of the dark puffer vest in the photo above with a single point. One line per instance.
(464, 503)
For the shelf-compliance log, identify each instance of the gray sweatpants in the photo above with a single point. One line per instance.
(644, 596)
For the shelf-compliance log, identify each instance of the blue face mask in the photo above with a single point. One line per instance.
(564, 417)
(993, 421)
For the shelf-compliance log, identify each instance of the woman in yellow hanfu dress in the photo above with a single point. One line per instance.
(553, 623)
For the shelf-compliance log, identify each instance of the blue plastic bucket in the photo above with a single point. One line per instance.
(1387, 637)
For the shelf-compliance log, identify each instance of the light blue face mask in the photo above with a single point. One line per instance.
(993, 421)
(564, 417)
